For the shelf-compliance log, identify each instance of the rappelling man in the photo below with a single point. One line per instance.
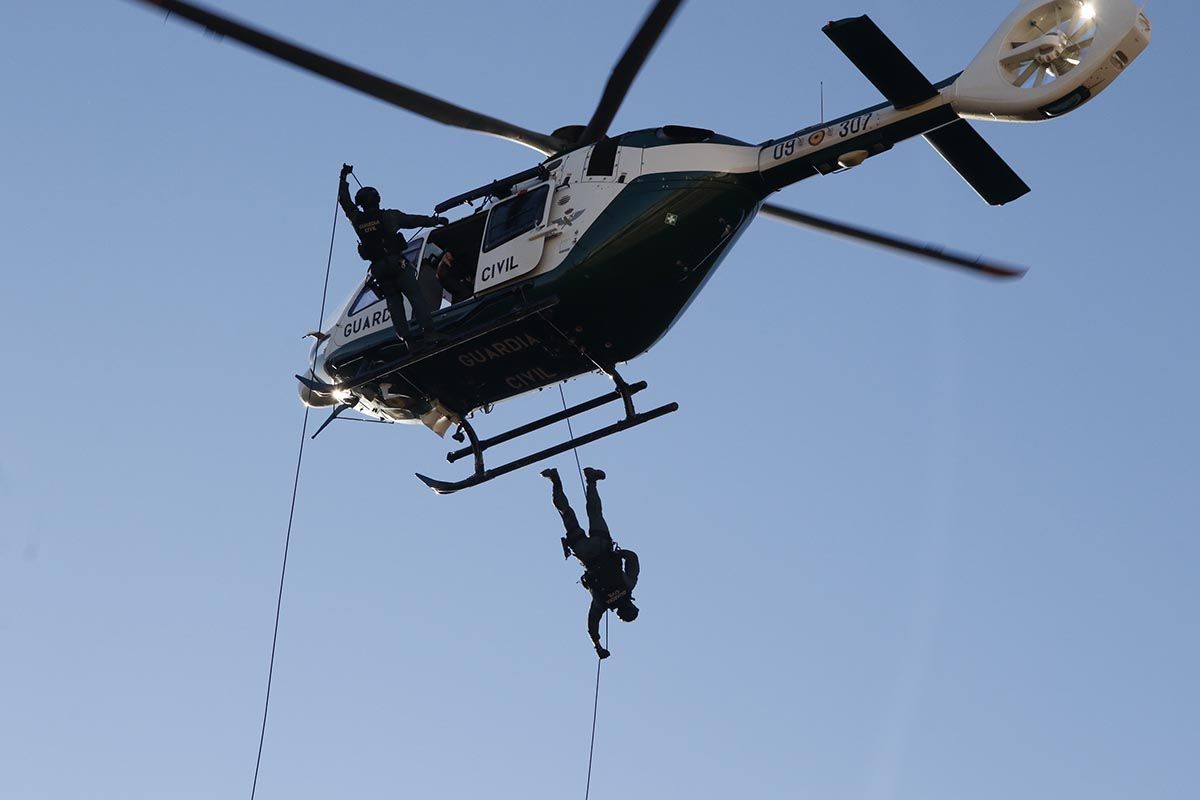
(610, 572)
(382, 244)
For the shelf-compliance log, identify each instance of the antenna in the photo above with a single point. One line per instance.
(822, 102)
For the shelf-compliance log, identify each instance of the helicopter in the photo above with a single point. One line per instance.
(586, 259)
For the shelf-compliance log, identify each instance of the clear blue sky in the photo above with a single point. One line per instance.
(912, 535)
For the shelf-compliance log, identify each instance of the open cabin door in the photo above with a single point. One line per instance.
(514, 237)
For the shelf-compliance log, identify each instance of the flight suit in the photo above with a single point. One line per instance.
(611, 573)
(382, 244)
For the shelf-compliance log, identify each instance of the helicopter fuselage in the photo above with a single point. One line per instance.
(618, 237)
(619, 250)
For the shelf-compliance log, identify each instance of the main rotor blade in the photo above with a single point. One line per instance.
(627, 69)
(366, 82)
(932, 252)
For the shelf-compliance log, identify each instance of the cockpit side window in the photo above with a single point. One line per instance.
(515, 216)
(366, 297)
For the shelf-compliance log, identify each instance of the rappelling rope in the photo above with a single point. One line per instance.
(291, 516)
(596, 696)
(571, 431)
(595, 707)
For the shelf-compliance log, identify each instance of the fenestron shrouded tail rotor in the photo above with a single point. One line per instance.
(1050, 57)
(1050, 42)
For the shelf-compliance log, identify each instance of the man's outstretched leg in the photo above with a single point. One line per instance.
(563, 506)
(383, 272)
(595, 510)
(395, 307)
(406, 277)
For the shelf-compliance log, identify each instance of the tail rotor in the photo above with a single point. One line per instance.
(1049, 57)
(1059, 35)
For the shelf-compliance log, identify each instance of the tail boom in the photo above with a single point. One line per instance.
(1047, 58)
(846, 142)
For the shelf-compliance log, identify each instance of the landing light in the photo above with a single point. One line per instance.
(1088, 11)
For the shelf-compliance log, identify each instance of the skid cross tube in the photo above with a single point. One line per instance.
(475, 446)
(623, 392)
(550, 419)
(446, 487)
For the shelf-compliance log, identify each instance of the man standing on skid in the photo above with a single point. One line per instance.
(381, 243)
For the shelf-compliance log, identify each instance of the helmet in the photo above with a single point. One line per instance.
(367, 196)
(627, 611)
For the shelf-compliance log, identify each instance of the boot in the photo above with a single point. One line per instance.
(593, 474)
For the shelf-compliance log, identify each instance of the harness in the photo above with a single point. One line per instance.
(607, 580)
(375, 242)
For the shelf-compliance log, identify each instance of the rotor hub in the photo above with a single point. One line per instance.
(1052, 50)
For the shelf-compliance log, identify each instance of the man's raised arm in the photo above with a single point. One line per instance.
(344, 195)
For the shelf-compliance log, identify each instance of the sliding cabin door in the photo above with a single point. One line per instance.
(514, 237)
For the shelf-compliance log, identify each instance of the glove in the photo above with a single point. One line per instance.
(347, 169)
(439, 221)
(600, 651)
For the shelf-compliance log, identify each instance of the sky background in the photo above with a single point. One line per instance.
(912, 535)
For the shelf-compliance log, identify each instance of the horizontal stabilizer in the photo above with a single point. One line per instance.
(881, 61)
(980, 165)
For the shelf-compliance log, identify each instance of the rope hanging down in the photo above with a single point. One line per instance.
(571, 432)
(595, 707)
(288, 539)
(596, 697)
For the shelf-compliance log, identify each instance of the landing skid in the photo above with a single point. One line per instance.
(623, 392)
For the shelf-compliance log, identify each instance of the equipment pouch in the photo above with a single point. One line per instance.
(370, 252)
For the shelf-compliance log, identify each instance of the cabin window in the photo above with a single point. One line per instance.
(366, 297)
(515, 216)
(603, 158)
